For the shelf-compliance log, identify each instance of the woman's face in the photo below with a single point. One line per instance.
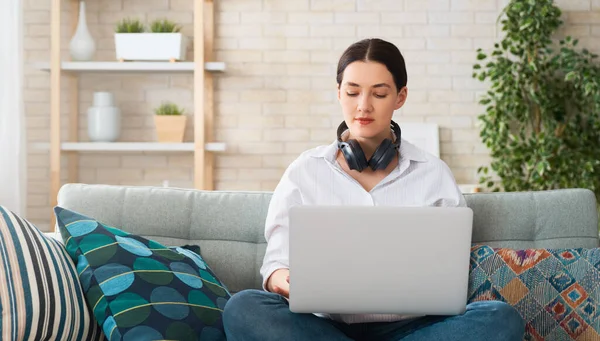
(368, 97)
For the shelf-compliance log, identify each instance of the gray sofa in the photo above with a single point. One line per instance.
(229, 226)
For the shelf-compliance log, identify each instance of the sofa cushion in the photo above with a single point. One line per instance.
(556, 291)
(140, 289)
(40, 295)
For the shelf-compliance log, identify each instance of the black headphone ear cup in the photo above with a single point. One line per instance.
(354, 155)
(383, 155)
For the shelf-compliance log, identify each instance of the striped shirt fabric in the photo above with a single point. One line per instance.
(40, 294)
(315, 178)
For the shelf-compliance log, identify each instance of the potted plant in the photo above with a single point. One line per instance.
(163, 42)
(542, 111)
(170, 122)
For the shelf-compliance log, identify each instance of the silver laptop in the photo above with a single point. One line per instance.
(379, 260)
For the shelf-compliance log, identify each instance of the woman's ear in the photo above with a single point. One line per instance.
(401, 98)
(338, 92)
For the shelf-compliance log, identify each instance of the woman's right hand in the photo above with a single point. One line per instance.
(279, 282)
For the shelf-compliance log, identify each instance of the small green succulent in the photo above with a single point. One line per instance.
(128, 25)
(164, 26)
(168, 109)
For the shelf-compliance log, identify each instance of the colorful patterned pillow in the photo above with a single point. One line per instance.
(139, 289)
(40, 296)
(557, 291)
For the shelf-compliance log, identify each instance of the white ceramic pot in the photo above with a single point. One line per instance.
(82, 46)
(150, 46)
(104, 119)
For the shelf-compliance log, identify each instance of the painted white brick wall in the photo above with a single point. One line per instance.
(277, 97)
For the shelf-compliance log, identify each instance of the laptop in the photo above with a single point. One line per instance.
(379, 259)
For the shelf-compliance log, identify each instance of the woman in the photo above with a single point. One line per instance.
(362, 167)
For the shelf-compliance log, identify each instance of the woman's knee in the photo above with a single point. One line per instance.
(241, 303)
(503, 317)
(245, 309)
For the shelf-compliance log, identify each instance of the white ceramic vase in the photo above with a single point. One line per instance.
(82, 46)
(104, 119)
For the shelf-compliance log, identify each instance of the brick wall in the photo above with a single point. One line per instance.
(277, 97)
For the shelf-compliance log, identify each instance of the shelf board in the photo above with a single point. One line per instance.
(469, 188)
(131, 66)
(133, 146)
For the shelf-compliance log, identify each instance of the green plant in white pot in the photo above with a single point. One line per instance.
(170, 122)
(163, 42)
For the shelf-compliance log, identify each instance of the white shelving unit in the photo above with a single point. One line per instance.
(132, 147)
(131, 66)
(202, 68)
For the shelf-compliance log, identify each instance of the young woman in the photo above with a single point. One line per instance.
(368, 164)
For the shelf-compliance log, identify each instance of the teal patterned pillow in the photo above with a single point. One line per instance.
(556, 291)
(139, 289)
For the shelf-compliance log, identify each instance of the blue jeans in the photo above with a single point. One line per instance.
(256, 315)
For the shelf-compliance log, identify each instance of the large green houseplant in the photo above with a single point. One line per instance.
(542, 110)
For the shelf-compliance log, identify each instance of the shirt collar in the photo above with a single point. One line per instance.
(407, 151)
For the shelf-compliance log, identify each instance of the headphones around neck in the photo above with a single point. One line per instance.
(354, 155)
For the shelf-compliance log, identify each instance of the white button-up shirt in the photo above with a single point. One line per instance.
(316, 178)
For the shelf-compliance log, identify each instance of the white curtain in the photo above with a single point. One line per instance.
(13, 171)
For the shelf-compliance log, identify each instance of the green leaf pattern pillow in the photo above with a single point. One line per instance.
(139, 289)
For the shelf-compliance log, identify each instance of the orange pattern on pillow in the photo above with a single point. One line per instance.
(522, 260)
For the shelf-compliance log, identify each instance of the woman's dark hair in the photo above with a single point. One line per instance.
(375, 50)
